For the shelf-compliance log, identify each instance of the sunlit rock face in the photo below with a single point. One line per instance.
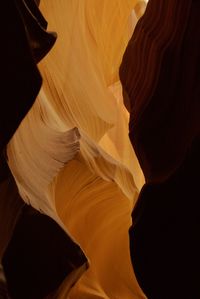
(71, 157)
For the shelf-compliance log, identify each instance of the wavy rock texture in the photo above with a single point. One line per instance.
(71, 156)
(98, 215)
(160, 75)
(41, 152)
